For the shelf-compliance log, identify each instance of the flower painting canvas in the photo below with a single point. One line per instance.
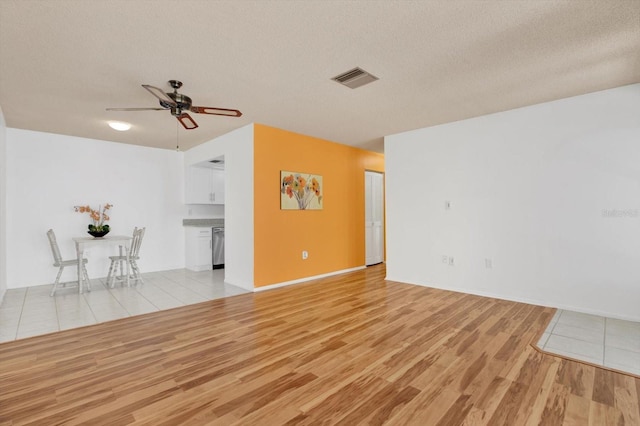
(300, 191)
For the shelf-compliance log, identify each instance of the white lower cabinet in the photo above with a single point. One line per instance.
(199, 252)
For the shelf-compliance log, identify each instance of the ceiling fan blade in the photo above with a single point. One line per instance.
(216, 111)
(136, 109)
(186, 121)
(158, 93)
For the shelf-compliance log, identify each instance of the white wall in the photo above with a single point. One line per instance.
(3, 210)
(550, 193)
(48, 174)
(203, 211)
(237, 148)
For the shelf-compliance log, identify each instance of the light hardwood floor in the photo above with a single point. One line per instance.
(351, 349)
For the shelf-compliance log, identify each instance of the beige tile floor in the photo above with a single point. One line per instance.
(31, 311)
(602, 341)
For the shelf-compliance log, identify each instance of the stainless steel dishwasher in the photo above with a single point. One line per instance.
(217, 242)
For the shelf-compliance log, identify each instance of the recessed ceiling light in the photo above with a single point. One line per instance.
(120, 126)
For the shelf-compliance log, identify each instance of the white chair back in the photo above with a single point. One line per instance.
(138, 234)
(57, 257)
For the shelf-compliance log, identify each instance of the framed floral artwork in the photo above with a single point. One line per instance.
(300, 191)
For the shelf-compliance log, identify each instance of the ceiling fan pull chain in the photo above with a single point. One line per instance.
(177, 137)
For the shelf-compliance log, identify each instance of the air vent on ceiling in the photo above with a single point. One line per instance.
(355, 78)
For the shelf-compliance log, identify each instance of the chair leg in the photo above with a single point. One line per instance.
(116, 272)
(116, 264)
(109, 276)
(57, 281)
(86, 276)
(136, 271)
(122, 269)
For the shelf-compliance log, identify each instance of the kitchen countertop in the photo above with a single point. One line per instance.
(204, 223)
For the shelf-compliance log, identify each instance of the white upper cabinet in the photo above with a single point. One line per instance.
(218, 186)
(204, 185)
(199, 184)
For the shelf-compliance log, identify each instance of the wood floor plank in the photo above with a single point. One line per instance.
(554, 410)
(603, 414)
(577, 411)
(626, 399)
(535, 410)
(604, 386)
(579, 378)
(348, 349)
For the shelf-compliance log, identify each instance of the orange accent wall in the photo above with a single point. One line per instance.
(334, 236)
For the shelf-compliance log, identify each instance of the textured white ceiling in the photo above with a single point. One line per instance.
(63, 62)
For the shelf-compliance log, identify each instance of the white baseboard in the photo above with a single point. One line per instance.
(527, 300)
(301, 280)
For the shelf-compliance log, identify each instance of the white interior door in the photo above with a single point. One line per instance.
(374, 218)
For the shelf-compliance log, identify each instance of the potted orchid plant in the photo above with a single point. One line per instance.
(98, 228)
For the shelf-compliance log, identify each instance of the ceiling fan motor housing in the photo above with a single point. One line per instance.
(183, 102)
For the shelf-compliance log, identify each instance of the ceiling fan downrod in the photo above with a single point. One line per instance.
(176, 84)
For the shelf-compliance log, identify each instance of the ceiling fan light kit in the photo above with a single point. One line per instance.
(120, 126)
(178, 104)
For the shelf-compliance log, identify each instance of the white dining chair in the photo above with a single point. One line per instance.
(121, 259)
(58, 262)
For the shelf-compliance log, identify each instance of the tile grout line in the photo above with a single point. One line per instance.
(164, 291)
(24, 301)
(186, 288)
(106, 285)
(109, 289)
(147, 299)
(557, 321)
(575, 353)
(177, 284)
(553, 327)
(55, 303)
(198, 283)
(84, 296)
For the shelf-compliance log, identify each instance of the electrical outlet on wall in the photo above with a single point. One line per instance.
(305, 255)
(445, 259)
(451, 261)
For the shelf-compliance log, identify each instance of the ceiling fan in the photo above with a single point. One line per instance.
(178, 104)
